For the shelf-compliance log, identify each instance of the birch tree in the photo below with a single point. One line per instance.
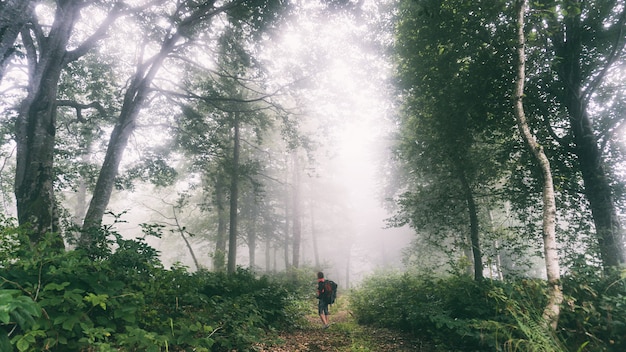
(555, 296)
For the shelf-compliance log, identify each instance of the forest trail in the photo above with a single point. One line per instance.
(343, 335)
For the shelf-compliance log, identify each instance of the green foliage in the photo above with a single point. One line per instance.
(16, 312)
(115, 295)
(594, 312)
(464, 314)
(457, 312)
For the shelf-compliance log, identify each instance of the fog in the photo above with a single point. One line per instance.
(347, 112)
(345, 109)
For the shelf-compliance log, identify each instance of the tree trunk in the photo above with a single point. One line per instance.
(81, 196)
(297, 217)
(287, 224)
(275, 261)
(135, 97)
(316, 254)
(474, 235)
(190, 249)
(234, 194)
(36, 127)
(219, 257)
(268, 254)
(252, 233)
(597, 185)
(597, 189)
(181, 231)
(14, 14)
(251, 249)
(348, 267)
(496, 247)
(555, 295)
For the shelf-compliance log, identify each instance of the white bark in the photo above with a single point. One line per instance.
(552, 310)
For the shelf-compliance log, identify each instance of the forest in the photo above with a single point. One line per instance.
(174, 173)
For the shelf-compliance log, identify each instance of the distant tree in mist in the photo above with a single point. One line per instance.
(222, 131)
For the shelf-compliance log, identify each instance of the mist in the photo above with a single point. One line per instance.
(345, 112)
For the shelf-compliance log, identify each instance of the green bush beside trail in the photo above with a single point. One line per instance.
(124, 300)
(462, 314)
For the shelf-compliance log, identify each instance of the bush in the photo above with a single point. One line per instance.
(95, 299)
(594, 313)
(456, 311)
(463, 314)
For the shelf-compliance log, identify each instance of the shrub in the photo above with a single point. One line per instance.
(594, 313)
(96, 299)
(456, 311)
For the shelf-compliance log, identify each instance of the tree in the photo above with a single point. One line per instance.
(226, 114)
(578, 46)
(234, 196)
(187, 21)
(452, 71)
(296, 209)
(551, 312)
(48, 55)
(185, 18)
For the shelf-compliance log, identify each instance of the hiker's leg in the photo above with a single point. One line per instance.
(322, 309)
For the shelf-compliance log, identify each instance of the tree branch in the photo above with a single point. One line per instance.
(80, 107)
(613, 55)
(99, 34)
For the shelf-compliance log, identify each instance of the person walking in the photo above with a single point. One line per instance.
(322, 305)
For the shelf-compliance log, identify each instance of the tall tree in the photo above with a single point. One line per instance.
(234, 196)
(552, 310)
(48, 53)
(219, 255)
(296, 209)
(452, 146)
(582, 42)
(187, 20)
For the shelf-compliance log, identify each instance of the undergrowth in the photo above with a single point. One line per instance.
(116, 296)
(462, 314)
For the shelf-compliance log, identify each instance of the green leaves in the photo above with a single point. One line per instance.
(17, 308)
(127, 301)
(97, 300)
(21, 311)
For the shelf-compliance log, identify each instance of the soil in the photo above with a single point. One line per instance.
(343, 335)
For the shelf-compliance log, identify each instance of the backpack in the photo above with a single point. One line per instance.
(329, 291)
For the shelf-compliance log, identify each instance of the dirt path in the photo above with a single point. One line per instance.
(343, 335)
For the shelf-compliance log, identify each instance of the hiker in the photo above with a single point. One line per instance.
(322, 306)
